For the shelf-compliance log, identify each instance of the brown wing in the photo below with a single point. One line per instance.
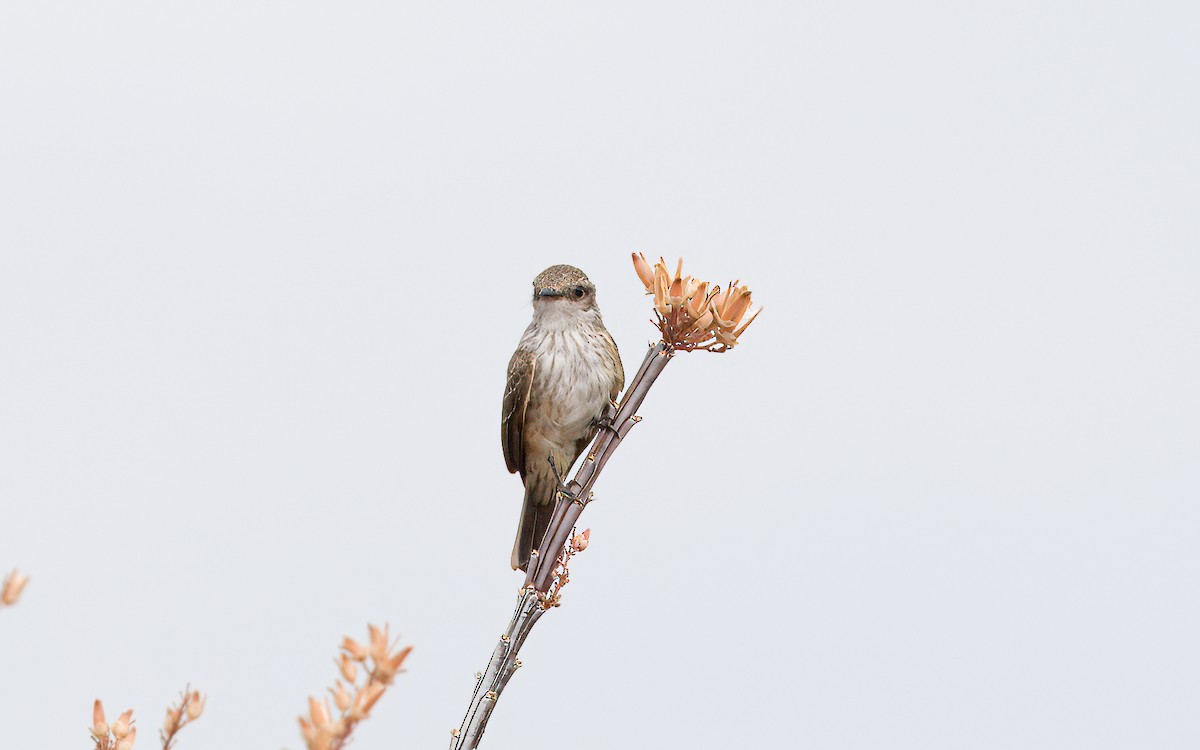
(512, 415)
(619, 382)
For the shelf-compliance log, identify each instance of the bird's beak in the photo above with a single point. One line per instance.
(548, 292)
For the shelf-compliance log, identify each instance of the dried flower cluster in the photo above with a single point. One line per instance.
(694, 314)
(10, 592)
(379, 663)
(120, 736)
(179, 715)
(578, 543)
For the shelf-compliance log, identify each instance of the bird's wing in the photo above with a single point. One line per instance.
(516, 401)
(619, 381)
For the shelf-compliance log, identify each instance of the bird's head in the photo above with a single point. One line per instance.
(561, 287)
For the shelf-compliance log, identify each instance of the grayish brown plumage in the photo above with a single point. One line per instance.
(564, 374)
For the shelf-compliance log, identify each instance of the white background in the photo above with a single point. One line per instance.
(264, 264)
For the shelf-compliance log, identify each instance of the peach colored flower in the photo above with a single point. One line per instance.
(694, 314)
(354, 649)
(318, 712)
(341, 698)
(195, 706)
(379, 643)
(122, 725)
(13, 585)
(127, 743)
(372, 693)
(349, 668)
(99, 725)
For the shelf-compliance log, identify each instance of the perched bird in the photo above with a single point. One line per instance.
(564, 374)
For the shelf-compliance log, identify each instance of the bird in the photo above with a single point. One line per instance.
(562, 378)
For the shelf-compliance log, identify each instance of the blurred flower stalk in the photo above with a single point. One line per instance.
(325, 727)
(328, 727)
(690, 315)
(179, 715)
(122, 734)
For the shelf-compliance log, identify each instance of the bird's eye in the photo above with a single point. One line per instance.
(578, 291)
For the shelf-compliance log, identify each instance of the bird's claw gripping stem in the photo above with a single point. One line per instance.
(564, 488)
(605, 421)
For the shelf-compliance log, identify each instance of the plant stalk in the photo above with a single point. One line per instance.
(571, 502)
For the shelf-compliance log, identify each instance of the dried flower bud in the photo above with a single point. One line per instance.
(379, 643)
(692, 314)
(348, 667)
(318, 712)
(308, 731)
(171, 723)
(13, 585)
(99, 725)
(338, 727)
(127, 743)
(579, 542)
(121, 726)
(697, 300)
(390, 665)
(325, 731)
(354, 649)
(700, 325)
(341, 698)
(372, 694)
(356, 712)
(644, 271)
(195, 706)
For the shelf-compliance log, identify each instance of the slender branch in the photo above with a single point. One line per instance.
(500, 669)
(579, 490)
(543, 566)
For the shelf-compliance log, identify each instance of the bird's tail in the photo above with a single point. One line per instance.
(536, 512)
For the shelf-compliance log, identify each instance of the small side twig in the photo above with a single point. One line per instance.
(180, 715)
(562, 574)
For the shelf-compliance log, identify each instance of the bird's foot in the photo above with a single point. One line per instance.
(606, 420)
(564, 488)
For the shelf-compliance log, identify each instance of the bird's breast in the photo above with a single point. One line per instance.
(573, 380)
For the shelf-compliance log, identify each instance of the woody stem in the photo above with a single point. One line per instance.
(500, 669)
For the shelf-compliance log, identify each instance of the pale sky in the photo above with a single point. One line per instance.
(263, 265)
